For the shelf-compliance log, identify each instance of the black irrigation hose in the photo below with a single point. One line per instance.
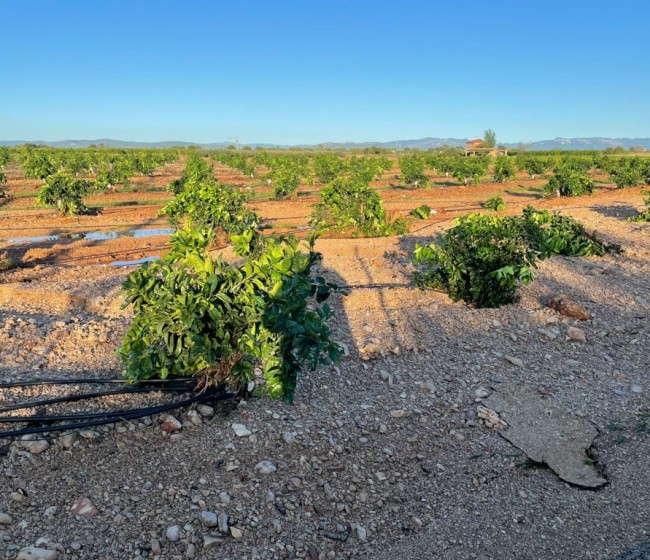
(135, 413)
(88, 396)
(117, 414)
(93, 381)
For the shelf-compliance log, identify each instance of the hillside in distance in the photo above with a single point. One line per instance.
(595, 143)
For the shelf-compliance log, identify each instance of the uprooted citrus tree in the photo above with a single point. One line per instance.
(483, 259)
(262, 318)
(644, 215)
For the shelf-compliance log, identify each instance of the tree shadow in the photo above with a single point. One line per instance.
(619, 211)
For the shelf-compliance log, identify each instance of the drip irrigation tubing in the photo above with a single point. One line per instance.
(216, 395)
(93, 381)
(89, 396)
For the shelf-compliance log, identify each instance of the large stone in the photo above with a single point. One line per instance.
(84, 507)
(35, 553)
(567, 306)
(547, 434)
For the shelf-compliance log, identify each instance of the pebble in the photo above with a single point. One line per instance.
(195, 417)
(241, 430)
(265, 467)
(636, 388)
(209, 518)
(576, 335)
(236, 533)
(288, 437)
(51, 511)
(5, 519)
(399, 413)
(362, 534)
(514, 361)
(481, 393)
(35, 446)
(171, 424)
(155, 547)
(209, 541)
(205, 410)
(173, 533)
(68, 440)
(222, 522)
(83, 506)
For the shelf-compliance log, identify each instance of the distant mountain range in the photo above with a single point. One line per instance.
(597, 143)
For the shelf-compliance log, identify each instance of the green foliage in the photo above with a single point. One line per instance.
(504, 169)
(350, 203)
(286, 180)
(494, 203)
(39, 164)
(483, 259)
(554, 234)
(5, 156)
(489, 138)
(470, 168)
(367, 169)
(423, 212)
(197, 170)
(533, 165)
(209, 205)
(65, 192)
(629, 175)
(412, 168)
(327, 166)
(569, 180)
(644, 215)
(229, 323)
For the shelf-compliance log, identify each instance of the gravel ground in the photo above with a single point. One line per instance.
(383, 457)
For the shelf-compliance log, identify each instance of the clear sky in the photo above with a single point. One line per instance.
(309, 71)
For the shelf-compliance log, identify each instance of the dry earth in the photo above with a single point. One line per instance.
(381, 458)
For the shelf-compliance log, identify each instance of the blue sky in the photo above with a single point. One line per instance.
(309, 71)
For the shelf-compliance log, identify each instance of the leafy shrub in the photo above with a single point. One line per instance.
(412, 168)
(483, 259)
(644, 215)
(197, 170)
(533, 165)
(423, 212)
(366, 169)
(210, 205)
(350, 203)
(327, 167)
(626, 176)
(504, 169)
(219, 322)
(494, 203)
(65, 192)
(569, 181)
(473, 168)
(554, 234)
(286, 180)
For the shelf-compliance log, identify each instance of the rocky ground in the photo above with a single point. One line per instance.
(386, 456)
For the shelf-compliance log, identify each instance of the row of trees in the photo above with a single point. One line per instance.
(104, 165)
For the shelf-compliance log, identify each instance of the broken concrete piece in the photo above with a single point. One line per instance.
(567, 306)
(547, 434)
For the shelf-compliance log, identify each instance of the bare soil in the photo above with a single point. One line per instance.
(383, 457)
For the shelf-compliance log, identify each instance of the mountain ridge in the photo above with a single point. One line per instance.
(558, 143)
